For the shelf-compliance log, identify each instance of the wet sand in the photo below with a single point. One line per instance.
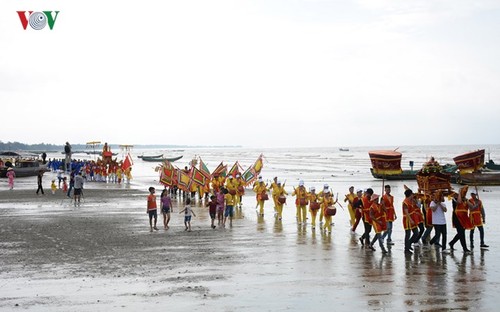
(101, 257)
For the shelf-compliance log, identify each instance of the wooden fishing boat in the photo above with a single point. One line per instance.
(470, 162)
(385, 163)
(161, 159)
(24, 168)
(154, 156)
(479, 178)
(492, 166)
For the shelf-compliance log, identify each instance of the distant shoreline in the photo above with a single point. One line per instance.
(51, 148)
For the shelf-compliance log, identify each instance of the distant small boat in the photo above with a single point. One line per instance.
(161, 159)
(154, 156)
(343, 149)
(492, 166)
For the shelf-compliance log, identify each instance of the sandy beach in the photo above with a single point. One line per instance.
(101, 257)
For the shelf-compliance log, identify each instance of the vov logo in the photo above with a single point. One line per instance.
(38, 20)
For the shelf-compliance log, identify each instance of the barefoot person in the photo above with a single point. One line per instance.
(166, 207)
(78, 188)
(151, 209)
(188, 212)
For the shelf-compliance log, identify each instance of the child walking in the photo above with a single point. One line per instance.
(53, 187)
(166, 207)
(151, 209)
(212, 209)
(188, 211)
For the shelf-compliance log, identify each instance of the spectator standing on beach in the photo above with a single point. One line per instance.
(477, 218)
(60, 176)
(151, 209)
(212, 209)
(349, 198)
(11, 175)
(166, 207)
(78, 185)
(71, 183)
(390, 214)
(39, 179)
(188, 212)
(67, 159)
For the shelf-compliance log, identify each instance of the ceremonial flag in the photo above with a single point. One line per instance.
(235, 169)
(198, 177)
(258, 164)
(220, 171)
(127, 163)
(167, 174)
(183, 180)
(204, 169)
(249, 175)
(253, 171)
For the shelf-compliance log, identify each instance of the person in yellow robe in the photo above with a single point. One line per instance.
(260, 189)
(350, 199)
(301, 202)
(314, 205)
(281, 199)
(327, 205)
(232, 187)
(274, 192)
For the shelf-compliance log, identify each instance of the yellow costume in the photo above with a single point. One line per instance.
(350, 198)
(301, 202)
(279, 206)
(327, 201)
(260, 189)
(313, 206)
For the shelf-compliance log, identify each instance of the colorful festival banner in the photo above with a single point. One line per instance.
(386, 162)
(168, 174)
(204, 170)
(220, 171)
(197, 177)
(184, 180)
(127, 163)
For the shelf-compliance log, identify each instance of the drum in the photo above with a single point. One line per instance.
(330, 211)
(232, 192)
(314, 205)
(303, 202)
(282, 199)
(264, 196)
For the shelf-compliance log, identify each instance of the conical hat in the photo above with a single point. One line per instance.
(463, 190)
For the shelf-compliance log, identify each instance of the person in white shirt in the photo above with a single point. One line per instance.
(438, 208)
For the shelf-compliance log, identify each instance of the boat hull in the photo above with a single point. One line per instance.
(163, 159)
(479, 179)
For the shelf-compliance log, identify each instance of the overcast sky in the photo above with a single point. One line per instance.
(254, 73)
